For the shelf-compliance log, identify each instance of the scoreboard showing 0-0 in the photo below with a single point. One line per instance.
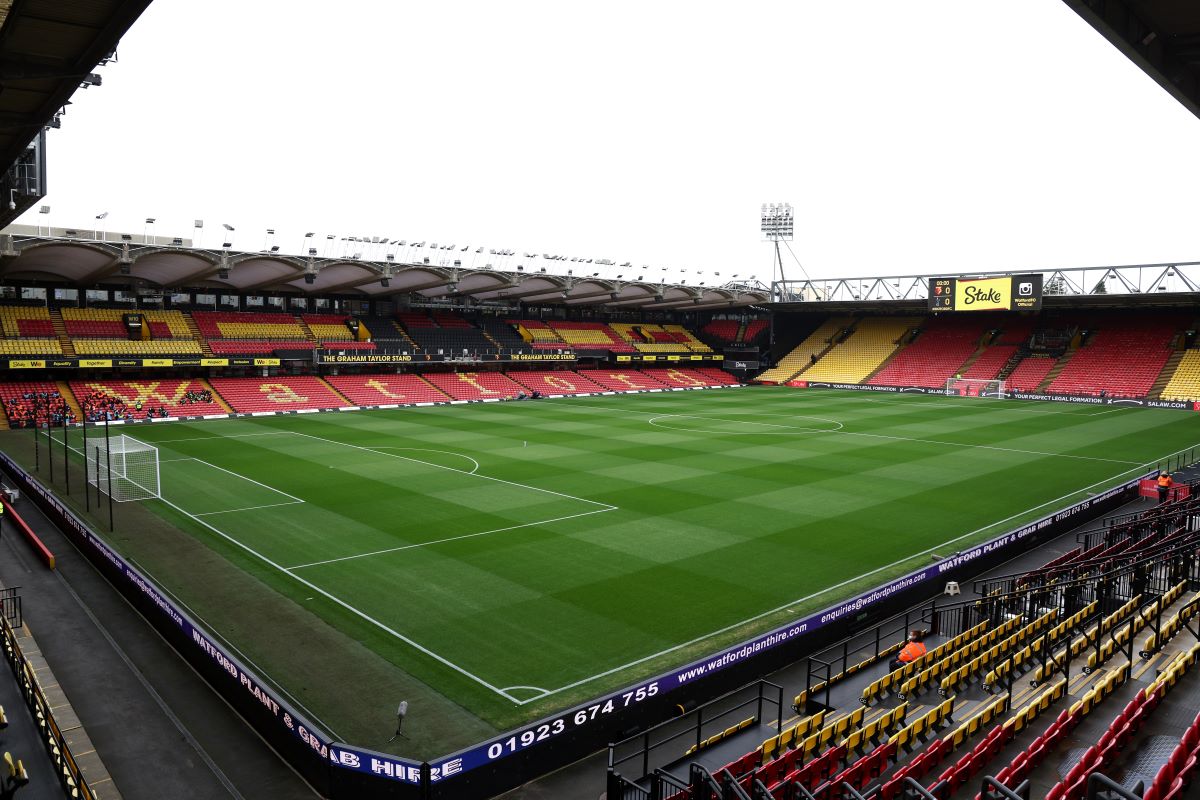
(1008, 293)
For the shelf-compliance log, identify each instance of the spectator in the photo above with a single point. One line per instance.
(1164, 486)
(911, 651)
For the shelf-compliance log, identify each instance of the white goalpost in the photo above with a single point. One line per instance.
(974, 387)
(133, 465)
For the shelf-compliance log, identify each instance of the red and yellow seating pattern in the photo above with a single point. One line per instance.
(475, 385)
(248, 325)
(28, 321)
(382, 390)
(622, 380)
(538, 334)
(327, 327)
(285, 393)
(109, 323)
(555, 382)
(150, 395)
(591, 336)
(682, 377)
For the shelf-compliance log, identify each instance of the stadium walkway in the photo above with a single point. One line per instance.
(161, 731)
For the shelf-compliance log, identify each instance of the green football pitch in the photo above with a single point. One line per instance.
(501, 561)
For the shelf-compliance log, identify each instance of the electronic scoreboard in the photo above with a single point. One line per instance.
(1008, 293)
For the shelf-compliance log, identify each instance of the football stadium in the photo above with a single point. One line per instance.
(380, 518)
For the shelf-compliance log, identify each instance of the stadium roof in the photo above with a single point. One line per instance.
(1160, 36)
(48, 49)
(160, 263)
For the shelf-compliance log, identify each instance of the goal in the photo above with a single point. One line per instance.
(133, 465)
(974, 387)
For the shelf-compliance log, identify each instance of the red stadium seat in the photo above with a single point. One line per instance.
(550, 382)
(383, 390)
(283, 393)
(943, 346)
(476, 385)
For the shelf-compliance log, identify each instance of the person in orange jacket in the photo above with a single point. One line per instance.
(911, 651)
(1164, 486)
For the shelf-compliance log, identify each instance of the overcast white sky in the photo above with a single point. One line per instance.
(943, 135)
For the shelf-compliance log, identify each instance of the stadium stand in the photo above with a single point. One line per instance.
(1185, 382)
(109, 323)
(991, 362)
(30, 347)
(805, 354)
(388, 336)
(415, 320)
(872, 341)
(283, 393)
(591, 336)
(688, 378)
(754, 329)
(381, 390)
(26, 321)
(555, 382)
(25, 401)
(683, 336)
(540, 335)
(142, 399)
(249, 347)
(652, 338)
(345, 346)
(327, 327)
(1121, 360)
(139, 347)
(264, 326)
(475, 385)
(938, 353)
(717, 375)
(621, 380)
(1030, 372)
(726, 330)
(1016, 329)
(446, 334)
(504, 335)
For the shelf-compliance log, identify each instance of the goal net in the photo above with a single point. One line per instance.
(133, 466)
(973, 387)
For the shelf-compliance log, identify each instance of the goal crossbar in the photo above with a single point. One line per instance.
(975, 387)
(124, 467)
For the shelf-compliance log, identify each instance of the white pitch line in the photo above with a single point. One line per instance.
(657, 414)
(459, 471)
(958, 402)
(345, 605)
(814, 595)
(450, 538)
(250, 508)
(429, 450)
(251, 480)
(219, 437)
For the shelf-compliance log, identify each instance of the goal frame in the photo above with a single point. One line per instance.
(979, 388)
(107, 464)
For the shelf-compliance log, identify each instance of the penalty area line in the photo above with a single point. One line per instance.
(352, 609)
(449, 538)
(249, 508)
